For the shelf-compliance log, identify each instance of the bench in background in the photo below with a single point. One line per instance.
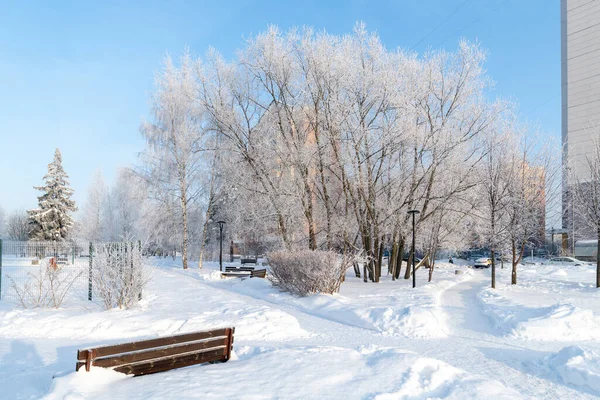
(259, 273)
(239, 269)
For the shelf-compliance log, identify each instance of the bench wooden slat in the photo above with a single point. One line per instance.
(232, 269)
(161, 354)
(151, 354)
(259, 273)
(150, 343)
(174, 362)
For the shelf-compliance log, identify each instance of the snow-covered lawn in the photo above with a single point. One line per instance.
(453, 338)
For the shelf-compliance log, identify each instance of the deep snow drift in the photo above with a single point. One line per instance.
(453, 338)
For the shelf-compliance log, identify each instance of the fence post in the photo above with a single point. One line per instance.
(0, 269)
(90, 272)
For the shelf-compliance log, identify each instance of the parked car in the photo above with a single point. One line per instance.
(566, 261)
(483, 262)
(417, 259)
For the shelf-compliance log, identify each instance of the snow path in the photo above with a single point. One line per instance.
(471, 345)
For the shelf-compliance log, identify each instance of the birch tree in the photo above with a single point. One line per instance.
(173, 155)
(93, 221)
(584, 190)
(531, 185)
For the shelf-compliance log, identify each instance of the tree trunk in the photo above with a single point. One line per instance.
(493, 268)
(399, 256)
(513, 275)
(392, 260)
(356, 269)
(598, 261)
(493, 223)
(408, 272)
(184, 249)
(379, 260)
(375, 259)
(431, 265)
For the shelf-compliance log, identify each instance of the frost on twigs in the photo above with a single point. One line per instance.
(305, 272)
(119, 274)
(45, 288)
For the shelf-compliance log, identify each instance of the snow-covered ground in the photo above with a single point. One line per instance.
(454, 338)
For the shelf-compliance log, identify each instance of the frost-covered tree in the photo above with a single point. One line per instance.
(17, 226)
(533, 180)
(52, 220)
(584, 191)
(495, 175)
(2, 222)
(173, 159)
(93, 220)
(337, 137)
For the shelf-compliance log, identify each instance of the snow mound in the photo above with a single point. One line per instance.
(498, 310)
(412, 322)
(211, 276)
(561, 322)
(578, 367)
(433, 379)
(81, 385)
(559, 272)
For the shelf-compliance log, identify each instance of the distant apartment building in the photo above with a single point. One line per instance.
(580, 34)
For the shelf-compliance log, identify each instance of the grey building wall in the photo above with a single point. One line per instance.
(580, 32)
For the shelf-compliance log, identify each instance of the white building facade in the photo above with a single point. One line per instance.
(580, 34)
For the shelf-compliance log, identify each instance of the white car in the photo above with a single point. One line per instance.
(483, 262)
(566, 261)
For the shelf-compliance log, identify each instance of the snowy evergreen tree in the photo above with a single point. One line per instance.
(52, 221)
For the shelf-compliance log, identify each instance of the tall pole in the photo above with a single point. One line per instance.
(552, 239)
(221, 223)
(413, 212)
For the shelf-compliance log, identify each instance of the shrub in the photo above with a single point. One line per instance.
(305, 272)
(45, 288)
(119, 274)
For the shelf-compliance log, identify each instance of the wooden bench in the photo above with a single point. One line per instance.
(161, 354)
(239, 269)
(248, 261)
(259, 273)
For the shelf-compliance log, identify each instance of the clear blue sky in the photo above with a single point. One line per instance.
(77, 74)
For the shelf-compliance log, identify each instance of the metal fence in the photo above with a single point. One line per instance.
(21, 261)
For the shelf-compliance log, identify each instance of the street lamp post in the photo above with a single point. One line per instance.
(552, 240)
(221, 223)
(413, 212)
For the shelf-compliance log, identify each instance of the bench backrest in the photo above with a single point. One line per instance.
(239, 269)
(259, 273)
(248, 261)
(161, 354)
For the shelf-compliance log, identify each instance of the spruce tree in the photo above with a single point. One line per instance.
(52, 221)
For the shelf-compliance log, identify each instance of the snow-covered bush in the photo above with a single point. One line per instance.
(305, 272)
(45, 288)
(118, 274)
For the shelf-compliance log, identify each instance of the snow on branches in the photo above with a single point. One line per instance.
(52, 220)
